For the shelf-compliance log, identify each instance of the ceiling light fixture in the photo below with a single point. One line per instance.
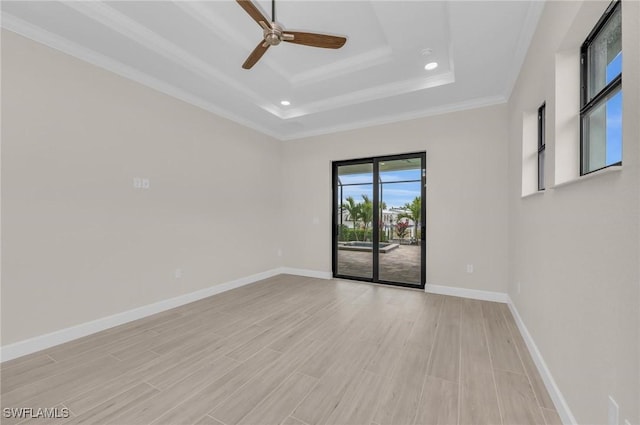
(285, 103)
(431, 66)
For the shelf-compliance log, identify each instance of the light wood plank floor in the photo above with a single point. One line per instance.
(292, 350)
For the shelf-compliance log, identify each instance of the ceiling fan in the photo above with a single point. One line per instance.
(274, 33)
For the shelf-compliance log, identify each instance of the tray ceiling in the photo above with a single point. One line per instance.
(193, 50)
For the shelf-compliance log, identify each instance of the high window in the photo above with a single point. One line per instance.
(541, 146)
(601, 93)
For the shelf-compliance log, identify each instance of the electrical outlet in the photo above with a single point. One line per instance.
(178, 273)
(613, 412)
(469, 268)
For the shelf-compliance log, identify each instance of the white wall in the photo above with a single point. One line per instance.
(466, 193)
(79, 243)
(574, 250)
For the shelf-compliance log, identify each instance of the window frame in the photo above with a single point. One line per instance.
(586, 105)
(542, 125)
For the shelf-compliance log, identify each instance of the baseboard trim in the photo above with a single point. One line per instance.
(556, 396)
(31, 345)
(554, 392)
(475, 294)
(306, 273)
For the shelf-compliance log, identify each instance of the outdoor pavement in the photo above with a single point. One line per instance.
(399, 265)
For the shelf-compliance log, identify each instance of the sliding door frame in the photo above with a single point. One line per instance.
(375, 161)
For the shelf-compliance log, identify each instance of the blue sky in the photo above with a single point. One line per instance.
(393, 194)
(614, 115)
(399, 194)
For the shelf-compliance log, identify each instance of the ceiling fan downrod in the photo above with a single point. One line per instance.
(274, 34)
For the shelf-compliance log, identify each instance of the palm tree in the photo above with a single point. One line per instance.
(354, 213)
(383, 206)
(366, 212)
(414, 212)
(381, 223)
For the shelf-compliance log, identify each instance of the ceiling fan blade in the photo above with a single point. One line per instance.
(315, 40)
(253, 11)
(255, 55)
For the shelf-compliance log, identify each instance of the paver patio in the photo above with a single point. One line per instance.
(399, 265)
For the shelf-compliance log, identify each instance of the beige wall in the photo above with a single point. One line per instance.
(466, 193)
(79, 243)
(574, 249)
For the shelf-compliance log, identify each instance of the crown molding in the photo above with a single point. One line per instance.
(37, 34)
(525, 36)
(448, 24)
(373, 93)
(127, 27)
(346, 66)
(388, 119)
(131, 29)
(25, 29)
(224, 31)
(284, 128)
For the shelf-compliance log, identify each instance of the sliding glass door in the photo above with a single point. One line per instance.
(379, 215)
(355, 218)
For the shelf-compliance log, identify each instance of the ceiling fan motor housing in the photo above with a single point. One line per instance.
(273, 34)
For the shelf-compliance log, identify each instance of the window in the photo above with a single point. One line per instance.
(541, 146)
(601, 93)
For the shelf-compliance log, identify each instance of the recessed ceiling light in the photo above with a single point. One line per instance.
(431, 66)
(285, 103)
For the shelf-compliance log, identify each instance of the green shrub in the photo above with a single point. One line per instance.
(346, 235)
